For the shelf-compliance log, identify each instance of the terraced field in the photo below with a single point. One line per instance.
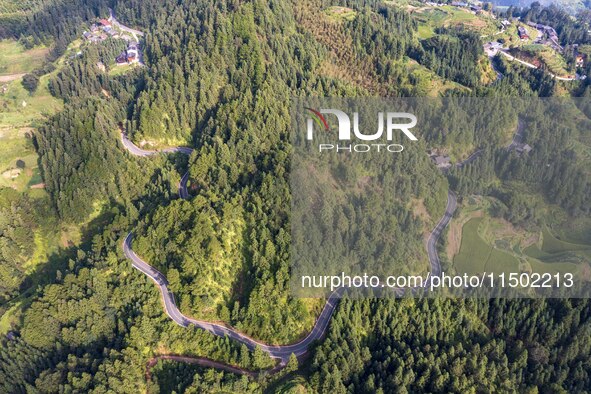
(430, 18)
(549, 254)
(476, 256)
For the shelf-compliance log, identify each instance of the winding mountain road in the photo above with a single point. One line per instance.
(116, 23)
(518, 136)
(279, 352)
(452, 203)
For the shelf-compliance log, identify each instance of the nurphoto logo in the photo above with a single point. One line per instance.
(388, 121)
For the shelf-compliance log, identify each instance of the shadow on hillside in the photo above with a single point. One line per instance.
(58, 264)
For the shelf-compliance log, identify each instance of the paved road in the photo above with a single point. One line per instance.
(530, 65)
(137, 151)
(283, 352)
(116, 23)
(518, 136)
(475, 155)
(452, 203)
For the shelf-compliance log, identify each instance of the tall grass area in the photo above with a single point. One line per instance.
(15, 59)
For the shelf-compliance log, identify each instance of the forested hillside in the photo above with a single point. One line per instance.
(219, 78)
(17, 216)
(456, 346)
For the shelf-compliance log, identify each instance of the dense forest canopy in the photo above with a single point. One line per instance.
(219, 78)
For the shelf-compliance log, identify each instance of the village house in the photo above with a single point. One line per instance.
(522, 33)
(441, 161)
(523, 148)
(476, 8)
(130, 55)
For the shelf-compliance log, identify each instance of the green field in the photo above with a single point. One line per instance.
(554, 245)
(476, 256)
(551, 254)
(15, 59)
(21, 113)
(432, 84)
(119, 70)
(430, 18)
(559, 253)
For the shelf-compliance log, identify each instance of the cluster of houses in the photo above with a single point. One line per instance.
(549, 30)
(103, 29)
(100, 31)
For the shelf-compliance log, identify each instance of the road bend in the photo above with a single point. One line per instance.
(279, 352)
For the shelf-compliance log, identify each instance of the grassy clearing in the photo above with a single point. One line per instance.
(119, 70)
(430, 18)
(577, 230)
(15, 59)
(552, 268)
(340, 14)
(10, 318)
(500, 261)
(20, 114)
(430, 83)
